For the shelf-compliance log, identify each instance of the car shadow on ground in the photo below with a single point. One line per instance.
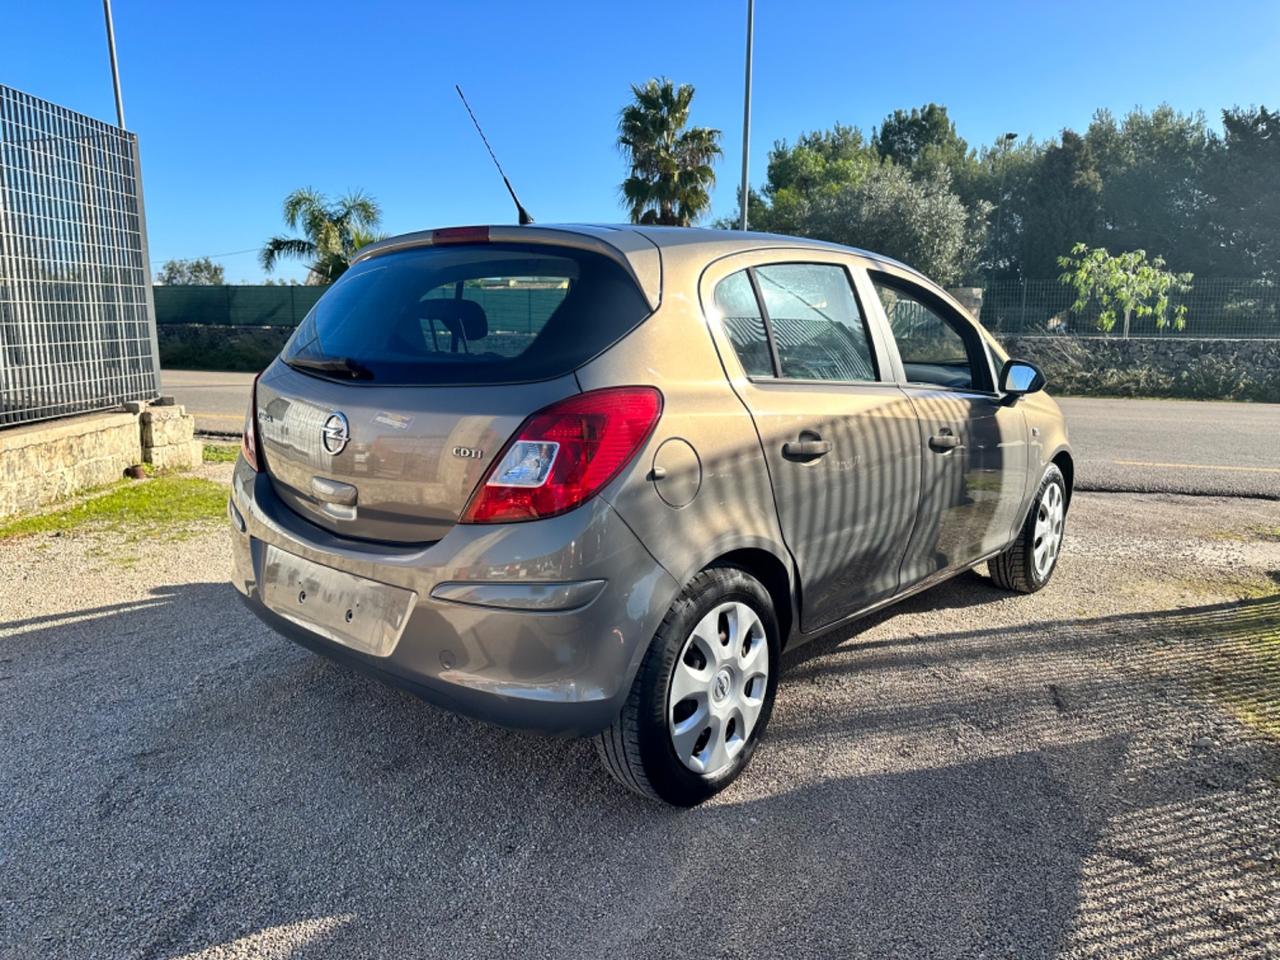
(185, 780)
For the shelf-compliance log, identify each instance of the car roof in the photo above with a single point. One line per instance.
(640, 246)
(722, 242)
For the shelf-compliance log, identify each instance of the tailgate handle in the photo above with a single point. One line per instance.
(333, 491)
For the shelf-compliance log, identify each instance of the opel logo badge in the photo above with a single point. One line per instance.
(721, 688)
(335, 433)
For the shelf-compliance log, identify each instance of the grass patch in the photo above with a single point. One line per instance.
(221, 452)
(1213, 584)
(134, 510)
(1244, 671)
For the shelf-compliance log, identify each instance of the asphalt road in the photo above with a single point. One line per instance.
(218, 400)
(972, 774)
(1173, 446)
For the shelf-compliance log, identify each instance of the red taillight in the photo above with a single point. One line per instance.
(249, 440)
(565, 454)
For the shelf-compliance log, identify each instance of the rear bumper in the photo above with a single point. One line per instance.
(557, 671)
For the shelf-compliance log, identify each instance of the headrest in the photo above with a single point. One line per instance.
(462, 318)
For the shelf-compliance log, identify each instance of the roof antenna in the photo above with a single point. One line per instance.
(521, 213)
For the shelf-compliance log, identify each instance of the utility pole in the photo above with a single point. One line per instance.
(1005, 141)
(115, 70)
(746, 115)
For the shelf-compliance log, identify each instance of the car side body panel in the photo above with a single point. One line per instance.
(699, 488)
(845, 517)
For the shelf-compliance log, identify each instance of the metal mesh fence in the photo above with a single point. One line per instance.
(75, 289)
(1215, 309)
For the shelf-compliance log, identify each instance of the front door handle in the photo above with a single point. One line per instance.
(944, 442)
(806, 449)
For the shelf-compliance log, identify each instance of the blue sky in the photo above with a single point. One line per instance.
(236, 103)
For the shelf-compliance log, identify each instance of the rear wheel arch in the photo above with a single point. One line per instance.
(642, 748)
(773, 574)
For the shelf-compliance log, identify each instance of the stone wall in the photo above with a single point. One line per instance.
(168, 438)
(44, 462)
(1155, 367)
(41, 463)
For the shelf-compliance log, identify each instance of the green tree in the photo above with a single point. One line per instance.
(671, 172)
(832, 185)
(1151, 167)
(1157, 180)
(923, 141)
(1243, 182)
(1000, 175)
(198, 272)
(332, 232)
(819, 164)
(1128, 283)
(920, 222)
(1060, 204)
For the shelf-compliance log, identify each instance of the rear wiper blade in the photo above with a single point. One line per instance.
(340, 365)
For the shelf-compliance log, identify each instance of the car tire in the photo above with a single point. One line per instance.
(1028, 564)
(640, 748)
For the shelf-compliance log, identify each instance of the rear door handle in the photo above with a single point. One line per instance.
(944, 442)
(806, 449)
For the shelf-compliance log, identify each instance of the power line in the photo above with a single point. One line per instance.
(230, 253)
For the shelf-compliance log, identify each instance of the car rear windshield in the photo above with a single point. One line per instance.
(467, 314)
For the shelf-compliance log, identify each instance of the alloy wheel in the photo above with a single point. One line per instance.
(1050, 516)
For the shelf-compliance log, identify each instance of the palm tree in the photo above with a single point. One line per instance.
(671, 172)
(332, 232)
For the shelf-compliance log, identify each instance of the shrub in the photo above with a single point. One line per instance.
(1212, 378)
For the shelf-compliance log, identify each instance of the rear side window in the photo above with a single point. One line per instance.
(467, 314)
(744, 324)
(816, 322)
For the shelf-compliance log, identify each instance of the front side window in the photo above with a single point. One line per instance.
(935, 347)
(816, 322)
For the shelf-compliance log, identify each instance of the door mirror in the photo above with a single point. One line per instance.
(1020, 377)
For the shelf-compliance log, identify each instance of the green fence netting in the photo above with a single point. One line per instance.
(1215, 308)
(509, 310)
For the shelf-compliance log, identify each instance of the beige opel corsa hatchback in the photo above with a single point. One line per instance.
(596, 480)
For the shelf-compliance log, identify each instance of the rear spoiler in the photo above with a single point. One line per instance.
(634, 252)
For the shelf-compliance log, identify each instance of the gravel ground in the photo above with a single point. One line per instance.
(968, 775)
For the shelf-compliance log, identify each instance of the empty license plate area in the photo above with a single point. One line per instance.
(362, 614)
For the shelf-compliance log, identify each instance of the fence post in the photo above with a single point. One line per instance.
(1022, 311)
(145, 254)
